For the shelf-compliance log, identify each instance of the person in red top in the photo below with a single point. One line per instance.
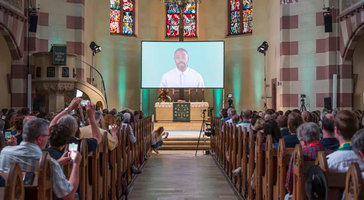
(309, 135)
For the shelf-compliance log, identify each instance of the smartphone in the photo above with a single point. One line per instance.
(73, 148)
(110, 127)
(7, 135)
(3, 117)
(28, 178)
(81, 124)
(84, 102)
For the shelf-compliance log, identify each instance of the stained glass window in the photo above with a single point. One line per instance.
(189, 20)
(122, 17)
(240, 16)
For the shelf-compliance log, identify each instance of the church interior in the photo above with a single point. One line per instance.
(182, 99)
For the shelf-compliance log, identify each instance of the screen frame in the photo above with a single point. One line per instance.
(141, 64)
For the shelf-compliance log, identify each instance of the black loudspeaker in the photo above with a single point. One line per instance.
(328, 22)
(33, 22)
(327, 102)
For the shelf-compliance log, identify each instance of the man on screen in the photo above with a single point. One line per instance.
(182, 76)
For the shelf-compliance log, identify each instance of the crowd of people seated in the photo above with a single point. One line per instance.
(24, 135)
(339, 134)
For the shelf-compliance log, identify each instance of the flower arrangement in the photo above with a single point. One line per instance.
(163, 96)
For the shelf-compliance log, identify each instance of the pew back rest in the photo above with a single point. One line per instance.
(14, 186)
(354, 183)
(45, 177)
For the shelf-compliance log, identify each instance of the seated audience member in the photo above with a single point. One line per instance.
(110, 118)
(126, 122)
(29, 151)
(282, 124)
(224, 115)
(87, 131)
(69, 121)
(346, 125)
(59, 136)
(236, 119)
(358, 147)
(328, 139)
(287, 113)
(18, 125)
(141, 115)
(231, 113)
(246, 117)
(126, 117)
(271, 128)
(308, 135)
(307, 117)
(258, 126)
(157, 138)
(294, 121)
(136, 115)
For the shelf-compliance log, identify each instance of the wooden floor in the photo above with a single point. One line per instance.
(179, 175)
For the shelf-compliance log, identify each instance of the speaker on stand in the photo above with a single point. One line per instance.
(328, 103)
(328, 21)
(33, 22)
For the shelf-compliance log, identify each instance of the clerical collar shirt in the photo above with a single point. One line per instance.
(177, 79)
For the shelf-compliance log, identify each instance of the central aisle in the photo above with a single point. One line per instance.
(179, 175)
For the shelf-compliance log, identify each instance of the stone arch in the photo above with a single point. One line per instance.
(351, 28)
(14, 48)
(349, 48)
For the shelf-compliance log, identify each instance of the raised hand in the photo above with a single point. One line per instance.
(90, 110)
(74, 103)
(64, 159)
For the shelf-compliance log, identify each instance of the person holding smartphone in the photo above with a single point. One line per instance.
(29, 152)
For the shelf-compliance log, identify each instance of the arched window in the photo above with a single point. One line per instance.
(240, 17)
(189, 19)
(122, 17)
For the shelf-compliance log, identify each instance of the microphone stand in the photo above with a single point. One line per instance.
(201, 130)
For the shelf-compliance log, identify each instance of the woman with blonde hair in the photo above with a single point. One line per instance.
(157, 138)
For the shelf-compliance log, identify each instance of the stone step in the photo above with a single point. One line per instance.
(174, 138)
(185, 142)
(184, 147)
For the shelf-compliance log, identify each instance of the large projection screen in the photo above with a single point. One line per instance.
(182, 64)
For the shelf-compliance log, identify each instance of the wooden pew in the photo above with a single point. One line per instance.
(338, 182)
(251, 164)
(84, 182)
(259, 166)
(104, 168)
(270, 167)
(283, 157)
(14, 186)
(300, 167)
(41, 189)
(239, 149)
(244, 163)
(112, 179)
(120, 161)
(354, 187)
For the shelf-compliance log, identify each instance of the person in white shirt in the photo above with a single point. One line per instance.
(345, 126)
(182, 76)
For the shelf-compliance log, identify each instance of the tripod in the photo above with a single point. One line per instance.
(303, 106)
(202, 129)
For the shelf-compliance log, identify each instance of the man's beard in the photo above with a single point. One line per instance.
(182, 66)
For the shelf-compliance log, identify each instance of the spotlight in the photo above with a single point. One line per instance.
(95, 48)
(263, 47)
